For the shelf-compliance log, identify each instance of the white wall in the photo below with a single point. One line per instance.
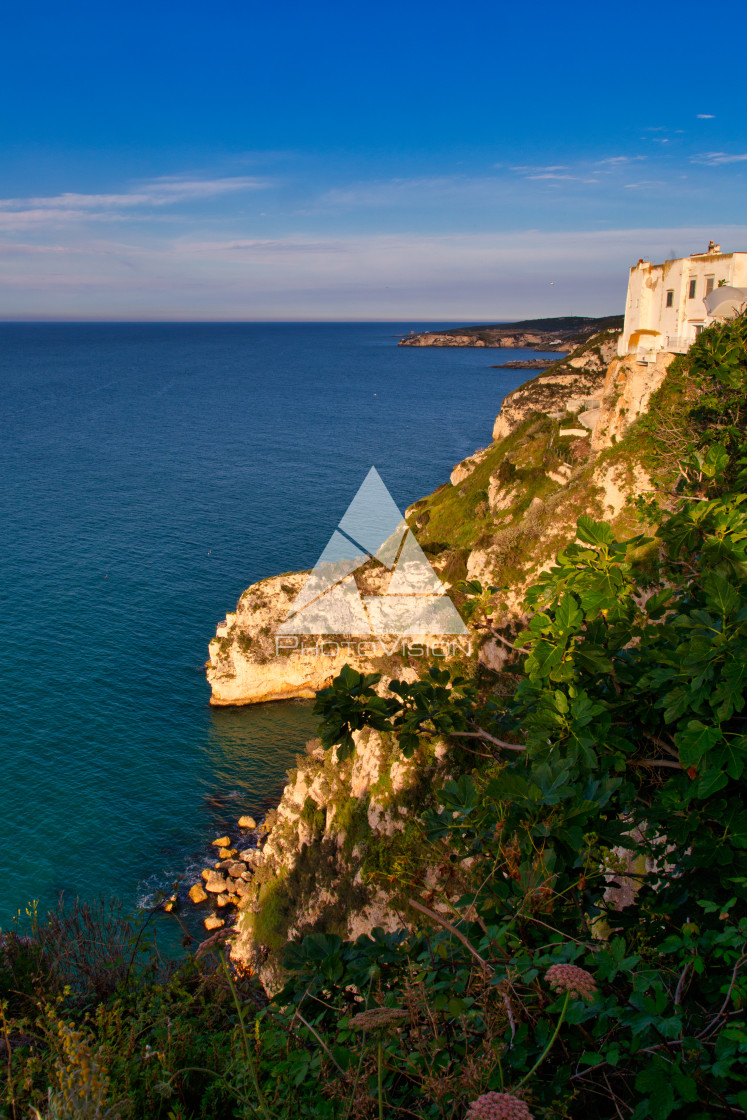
(650, 324)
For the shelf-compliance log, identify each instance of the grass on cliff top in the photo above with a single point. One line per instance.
(455, 520)
(456, 517)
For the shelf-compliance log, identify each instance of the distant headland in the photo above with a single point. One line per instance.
(562, 333)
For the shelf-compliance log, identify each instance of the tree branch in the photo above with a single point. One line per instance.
(658, 762)
(664, 746)
(452, 929)
(467, 944)
(480, 734)
(504, 640)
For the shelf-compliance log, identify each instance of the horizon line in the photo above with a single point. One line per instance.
(41, 320)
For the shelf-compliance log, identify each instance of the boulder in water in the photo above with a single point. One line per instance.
(216, 884)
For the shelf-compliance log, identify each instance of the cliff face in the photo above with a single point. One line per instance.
(248, 666)
(626, 393)
(333, 850)
(574, 384)
(559, 452)
(506, 511)
(330, 848)
(251, 662)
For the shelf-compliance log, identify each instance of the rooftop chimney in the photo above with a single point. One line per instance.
(713, 247)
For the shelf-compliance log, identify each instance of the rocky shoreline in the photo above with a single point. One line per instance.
(528, 363)
(227, 884)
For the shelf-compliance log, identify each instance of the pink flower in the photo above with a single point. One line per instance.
(498, 1106)
(569, 978)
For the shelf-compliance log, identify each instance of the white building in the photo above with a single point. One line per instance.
(666, 308)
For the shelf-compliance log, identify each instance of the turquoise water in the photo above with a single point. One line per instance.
(150, 473)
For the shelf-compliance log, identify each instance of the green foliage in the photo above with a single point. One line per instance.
(601, 827)
(610, 830)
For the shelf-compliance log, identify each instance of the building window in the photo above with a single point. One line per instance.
(698, 329)
(670, 298)
(710, 284)
(691, 289)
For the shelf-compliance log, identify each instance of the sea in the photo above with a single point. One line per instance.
(150, 473)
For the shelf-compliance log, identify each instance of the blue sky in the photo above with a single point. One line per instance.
(340, 161)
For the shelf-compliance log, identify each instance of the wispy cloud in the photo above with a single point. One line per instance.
(584, 172)
(715, 159)
(617, 161)
(642, 183)
(705, 116)
(451, 276)
(161, 192)
(552, 167)
(567, 178)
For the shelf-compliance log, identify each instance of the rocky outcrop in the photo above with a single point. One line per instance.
(543, 439)
(530, 363)
(252, 661)
(522, 340)
(574, 385)
(626, 392)
(248, 665)
(334, 827)
(465, 468)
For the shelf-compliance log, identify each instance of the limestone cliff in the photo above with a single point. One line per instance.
(505, 512)
(559, 451)
(250, 662)
(247, 667)
(333, 853)
(626, 394)
(574, 384)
